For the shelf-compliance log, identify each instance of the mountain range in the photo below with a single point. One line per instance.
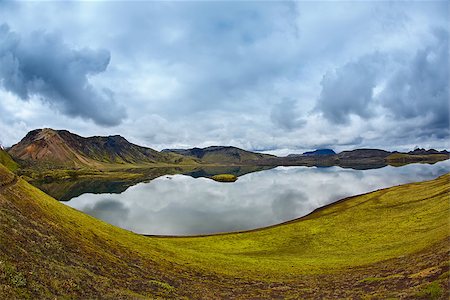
(51, 148)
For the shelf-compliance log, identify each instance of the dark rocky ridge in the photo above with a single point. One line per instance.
(421, 151)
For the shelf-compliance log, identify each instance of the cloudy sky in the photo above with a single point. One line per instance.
(270, 76)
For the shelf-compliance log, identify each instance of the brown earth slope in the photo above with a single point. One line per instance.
(62, 148)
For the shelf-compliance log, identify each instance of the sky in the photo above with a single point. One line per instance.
(278, 77)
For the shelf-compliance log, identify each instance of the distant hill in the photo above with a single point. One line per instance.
(221, 154)
(363, 153)
(399, 159)
(318, 152)
(61, 147)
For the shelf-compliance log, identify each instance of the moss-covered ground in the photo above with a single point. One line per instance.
(392, 243)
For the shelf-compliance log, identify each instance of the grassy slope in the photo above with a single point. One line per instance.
(390, 243)
(363, 230)
(7, 161)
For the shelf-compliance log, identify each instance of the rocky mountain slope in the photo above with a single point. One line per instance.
(61, 147)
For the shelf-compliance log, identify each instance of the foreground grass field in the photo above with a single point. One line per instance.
(392, 243)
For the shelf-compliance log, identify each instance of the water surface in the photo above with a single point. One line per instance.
(184, 205)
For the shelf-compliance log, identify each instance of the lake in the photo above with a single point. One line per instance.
(185, 205)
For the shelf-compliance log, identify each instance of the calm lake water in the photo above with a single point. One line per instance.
(183, 205)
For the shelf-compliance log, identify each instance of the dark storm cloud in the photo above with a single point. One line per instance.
(420, 88)
(403, 89)
(42, 65)
(349, 89)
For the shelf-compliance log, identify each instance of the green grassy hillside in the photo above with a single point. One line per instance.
(7, 161)
(391, 243)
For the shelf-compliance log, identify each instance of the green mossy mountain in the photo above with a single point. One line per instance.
(391, 243)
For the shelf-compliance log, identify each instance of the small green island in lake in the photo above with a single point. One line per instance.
(224, 177)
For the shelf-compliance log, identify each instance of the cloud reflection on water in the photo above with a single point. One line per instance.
(182, 205)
